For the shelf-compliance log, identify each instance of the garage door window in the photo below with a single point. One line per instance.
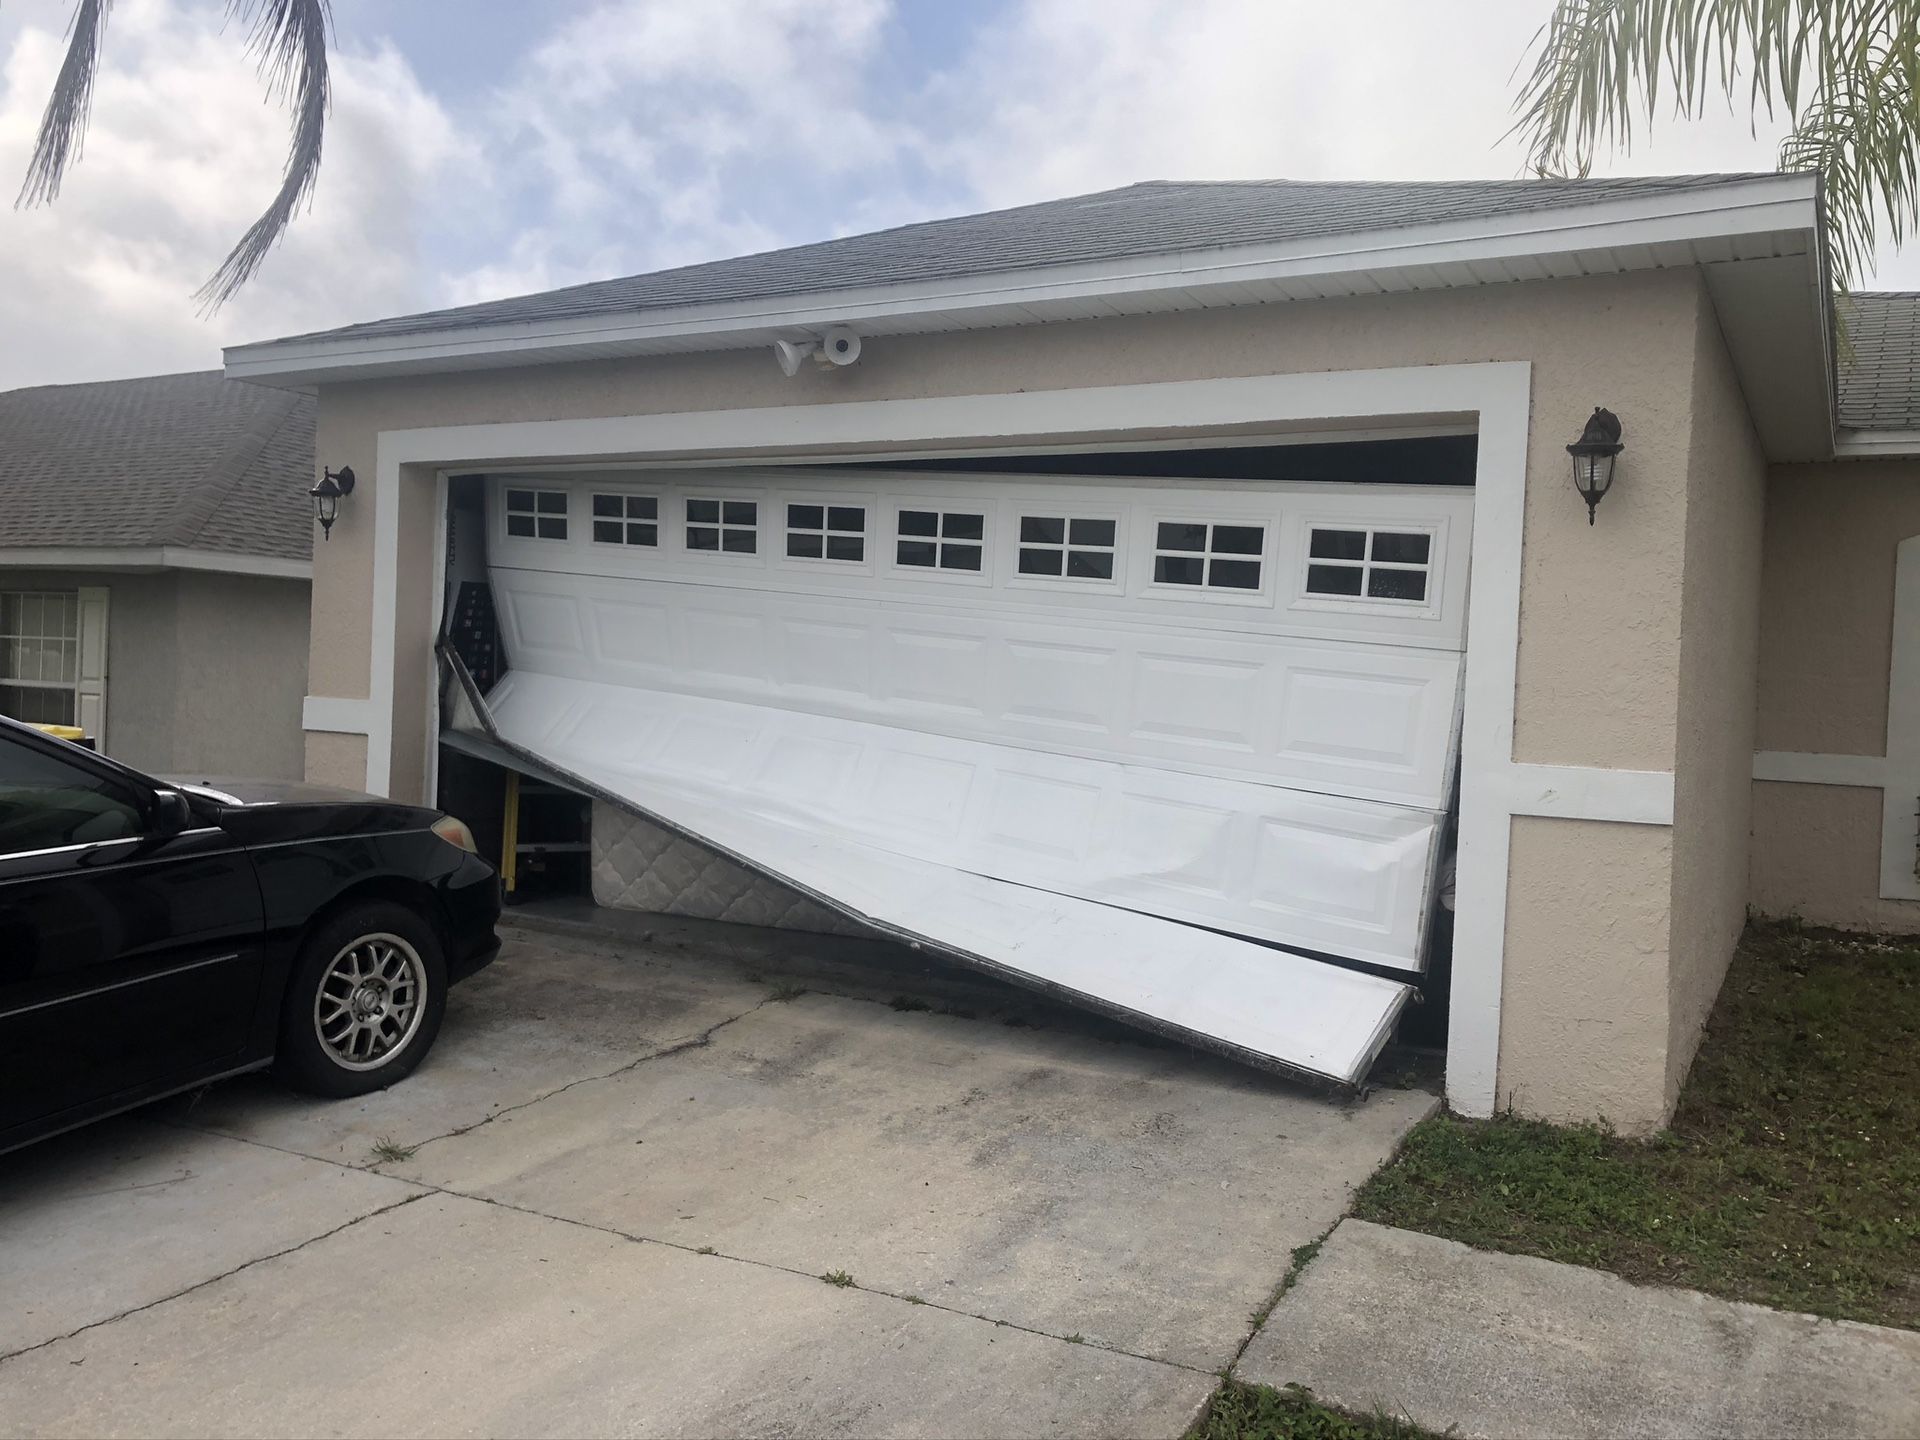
(537, 514)
(827, 532)
(942, 539)
(40, 655)
(1357, 564)
(626, 520)
(1070, 547)
(1214, 557)
(732, 526)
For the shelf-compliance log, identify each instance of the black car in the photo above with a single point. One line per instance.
(155, 935)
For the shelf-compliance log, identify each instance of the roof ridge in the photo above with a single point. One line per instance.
(209, 374)
(200, 501)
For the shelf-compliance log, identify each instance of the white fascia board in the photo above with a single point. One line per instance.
(152, 557)
(1769, 205)
(1877, 444)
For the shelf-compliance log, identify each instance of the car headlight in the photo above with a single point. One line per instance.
(455, 832)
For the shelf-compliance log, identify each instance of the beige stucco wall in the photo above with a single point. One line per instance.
(1600, 629)
(205, 671)
(1726, 489)
(240, 675)
(1826, 628)
(1583, 1013)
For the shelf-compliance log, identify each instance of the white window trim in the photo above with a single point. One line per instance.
(1048, 510)
(682, 498)
(1363, 603)
(1206, 594)
(1493, 394)
(565, 515)
(594, 489)
(942, 506)
(867, 505)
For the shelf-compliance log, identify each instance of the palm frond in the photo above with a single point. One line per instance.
(290, 38)
(1844, 70)
(63, 128)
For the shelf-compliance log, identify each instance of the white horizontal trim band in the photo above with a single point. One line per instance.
(1804, 767)
(331, 714)
(1774, 204)
(153, 557)
(1579, 792)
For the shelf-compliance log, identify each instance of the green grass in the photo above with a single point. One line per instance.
(391, 1152)
(1259, 1412)
(840, 1279)
(1790, 1177)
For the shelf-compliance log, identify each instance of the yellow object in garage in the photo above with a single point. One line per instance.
(63, 732)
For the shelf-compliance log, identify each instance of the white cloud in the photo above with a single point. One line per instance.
(640, 134)
(182, 152)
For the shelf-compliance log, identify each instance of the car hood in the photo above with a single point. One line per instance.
(230, 792)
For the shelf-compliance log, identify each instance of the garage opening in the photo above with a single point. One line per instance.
(1168, 732)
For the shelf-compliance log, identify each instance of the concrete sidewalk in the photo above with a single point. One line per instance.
(1481, 1344)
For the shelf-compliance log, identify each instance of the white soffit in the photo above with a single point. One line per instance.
(1777, 330)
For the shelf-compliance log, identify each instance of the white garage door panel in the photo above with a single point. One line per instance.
(1366, 720)
(1265, 1005)
(1319, 872)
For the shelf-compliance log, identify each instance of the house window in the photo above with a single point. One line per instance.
(827, 532)
(941, 539)
(626, 520)
(537, 514)
(1217, 557)
(1070, 547)
(732, 526)
(40, 656)
(1359, 564)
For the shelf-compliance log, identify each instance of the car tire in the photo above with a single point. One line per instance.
(364, 1003)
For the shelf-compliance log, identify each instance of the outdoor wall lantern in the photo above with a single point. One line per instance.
(326, 496)
(1593, 454)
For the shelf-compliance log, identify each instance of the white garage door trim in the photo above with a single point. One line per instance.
(1496, 395)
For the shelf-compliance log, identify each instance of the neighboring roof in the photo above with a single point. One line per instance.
(1880, 360)
(193, 462)
(1152, 218)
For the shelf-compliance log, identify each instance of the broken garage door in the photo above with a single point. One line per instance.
(1088, 732)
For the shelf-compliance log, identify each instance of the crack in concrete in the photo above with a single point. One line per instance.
(696, 1042)
(677, 1047)
(216, 1279)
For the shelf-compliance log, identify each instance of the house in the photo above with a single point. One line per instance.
(155, 564)
(1083, 590)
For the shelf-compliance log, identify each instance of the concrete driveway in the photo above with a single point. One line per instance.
(606, 1202)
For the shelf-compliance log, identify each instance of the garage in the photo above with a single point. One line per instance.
(1180, 747)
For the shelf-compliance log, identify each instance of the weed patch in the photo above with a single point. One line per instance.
(1259, 1412)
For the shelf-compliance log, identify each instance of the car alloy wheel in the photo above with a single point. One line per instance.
(369, 1002)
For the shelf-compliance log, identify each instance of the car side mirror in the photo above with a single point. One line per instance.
(171, 814)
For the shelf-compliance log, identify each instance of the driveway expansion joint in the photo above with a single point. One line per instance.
(228, 1273)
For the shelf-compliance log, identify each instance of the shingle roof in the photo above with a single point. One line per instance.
(1155, 217)
(1880, 360)
(195, 460)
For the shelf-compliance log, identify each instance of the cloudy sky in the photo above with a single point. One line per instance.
(480, 148)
